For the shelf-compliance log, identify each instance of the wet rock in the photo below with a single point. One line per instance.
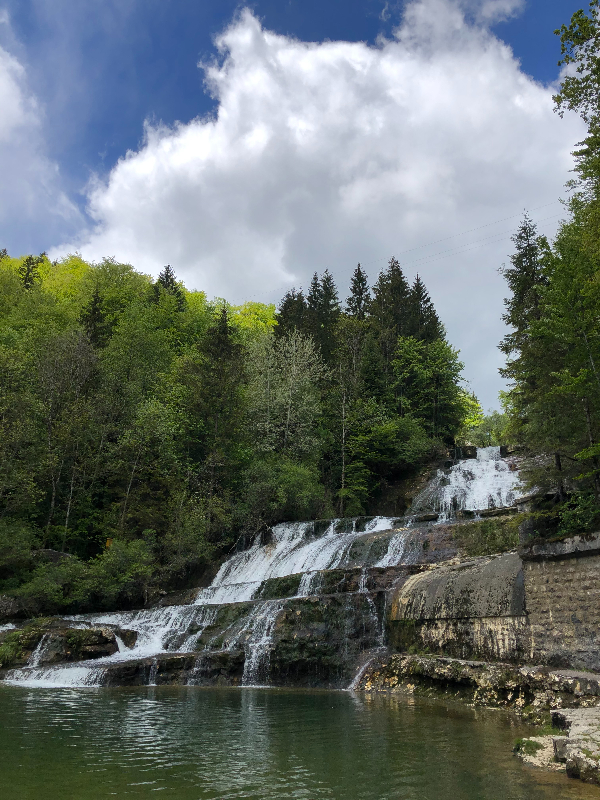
(129, 638)
(182, 598)
(489, 586)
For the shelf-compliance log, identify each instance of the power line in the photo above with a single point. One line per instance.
(456, 251)
(469, 245)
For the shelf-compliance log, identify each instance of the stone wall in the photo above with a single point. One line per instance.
(541, 606)
(563, 605)
(473, 608)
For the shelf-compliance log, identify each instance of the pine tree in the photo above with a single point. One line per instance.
(29, 270)
(357, 305)
(423, 321)
(168, 282)
(291, 315)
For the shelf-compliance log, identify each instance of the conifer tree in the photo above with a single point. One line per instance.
(423, 322)
(525, 279)
(29, 270)
(291, 315)
(389, 315)
(93, 319)
(357, 305)
(167, 281)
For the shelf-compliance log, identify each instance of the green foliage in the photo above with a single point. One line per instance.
(527, 746)
(486, 430)
(136, 413)
(580, 514)
(488, 536)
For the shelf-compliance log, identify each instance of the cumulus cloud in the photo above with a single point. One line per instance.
(33, 207)
(325, 154)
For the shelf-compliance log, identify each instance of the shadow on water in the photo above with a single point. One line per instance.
(220, 744)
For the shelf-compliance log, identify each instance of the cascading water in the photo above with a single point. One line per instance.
(299, 548)
(473, 484)
(295, 548)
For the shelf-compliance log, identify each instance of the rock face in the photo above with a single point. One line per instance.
(473, 608)
(537, 606)
(580, 750)
(45, 642)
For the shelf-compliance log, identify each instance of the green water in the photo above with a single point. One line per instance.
(195, 744)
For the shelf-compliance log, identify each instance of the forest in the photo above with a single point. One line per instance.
(146, 431)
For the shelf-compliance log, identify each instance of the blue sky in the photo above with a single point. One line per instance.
(103, 67)
(313, 135)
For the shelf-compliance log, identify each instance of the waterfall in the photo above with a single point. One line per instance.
(473, 484)
(35, 658)
(396, 550)
(258, 644)
(305, 549)
(310, 584)
(294, 549)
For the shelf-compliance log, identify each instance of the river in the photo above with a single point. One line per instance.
(187, 743)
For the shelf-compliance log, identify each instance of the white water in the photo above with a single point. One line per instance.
(294, 549)
(257, 645)
(37, 655)
(473, 484)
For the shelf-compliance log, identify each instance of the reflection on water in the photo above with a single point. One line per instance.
(201, 744)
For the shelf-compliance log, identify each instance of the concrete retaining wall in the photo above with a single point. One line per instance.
(541, 606)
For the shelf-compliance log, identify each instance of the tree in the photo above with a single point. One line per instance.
(427, 385)
(580, 45)
(169, 284)
(94, 321)
(292, 313)
(423, 321)
(357, 305)
(525, 279)
(283, 395)
(29, 272)
(389, 317)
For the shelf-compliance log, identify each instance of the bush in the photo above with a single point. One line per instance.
(579, 515)
(118, 577)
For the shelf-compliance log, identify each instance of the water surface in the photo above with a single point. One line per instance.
(196, 744)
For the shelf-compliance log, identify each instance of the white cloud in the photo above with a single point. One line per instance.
(322, 155)
(33, 206)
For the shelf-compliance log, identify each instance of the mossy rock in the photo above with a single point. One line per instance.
(274, 588)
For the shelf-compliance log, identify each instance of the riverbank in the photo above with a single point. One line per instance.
(563, 704)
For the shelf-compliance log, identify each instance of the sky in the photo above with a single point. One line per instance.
(251, 145)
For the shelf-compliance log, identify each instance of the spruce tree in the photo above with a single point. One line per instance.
(314, 296)
(168, 282)
(94, 322)
(423, 321)
(29, 270)
(357, 304)
(389, 315)
(291, 315)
